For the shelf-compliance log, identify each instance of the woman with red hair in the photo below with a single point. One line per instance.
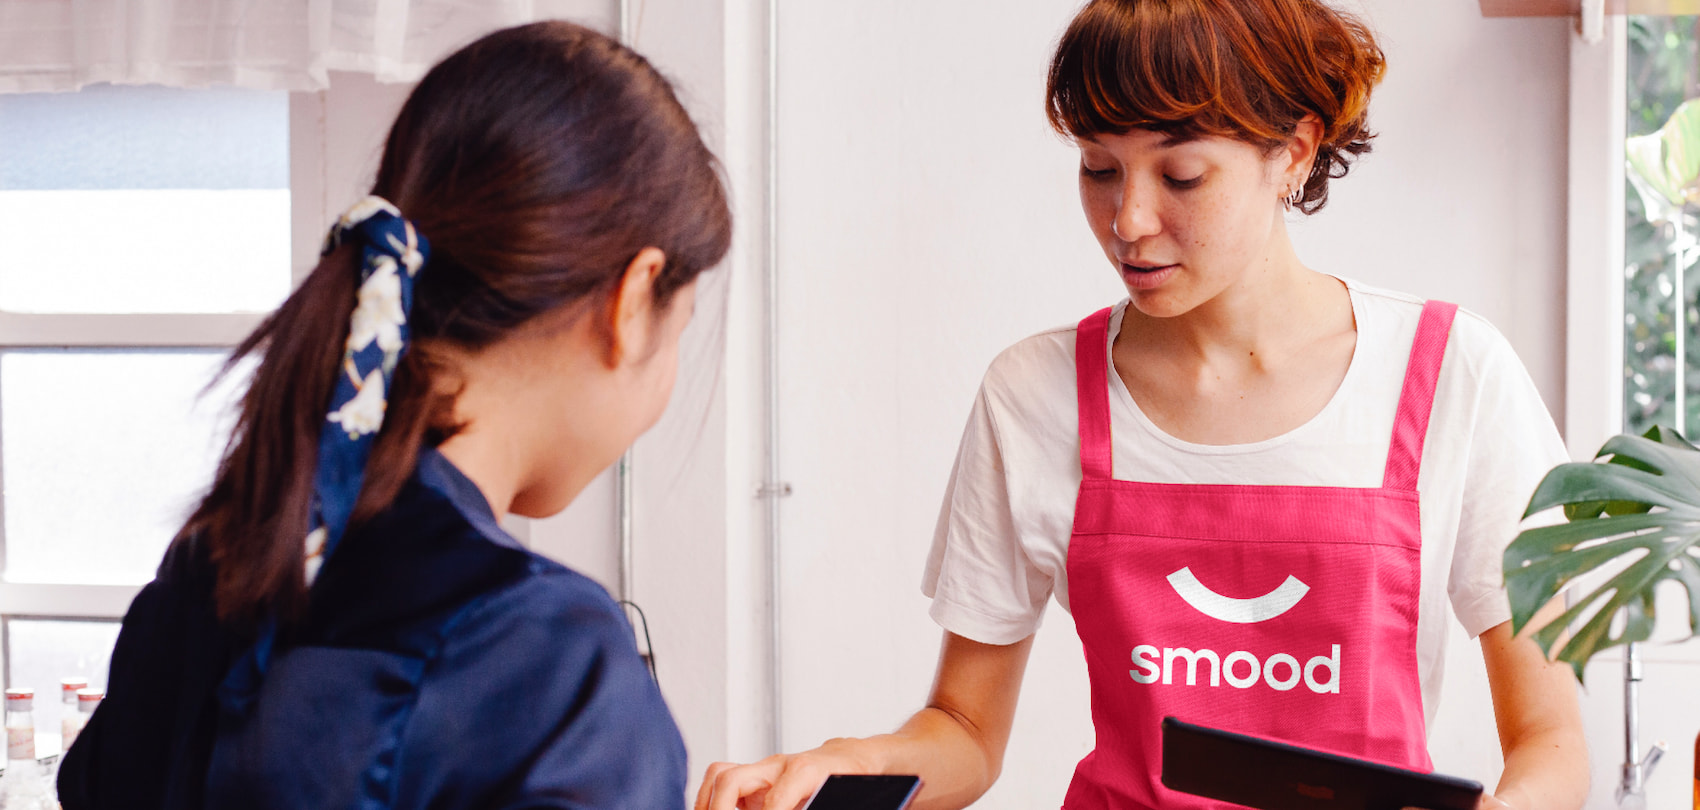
(1259, 489)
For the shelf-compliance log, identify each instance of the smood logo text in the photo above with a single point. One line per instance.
(1240, 669)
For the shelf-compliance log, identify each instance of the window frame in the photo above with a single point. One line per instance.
(103, 602)
(1593, 406)
(101, 331)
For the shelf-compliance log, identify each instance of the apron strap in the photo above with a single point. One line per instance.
(1092, 381)
(1416, 401)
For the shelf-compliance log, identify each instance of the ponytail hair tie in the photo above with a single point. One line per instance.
(392, 253)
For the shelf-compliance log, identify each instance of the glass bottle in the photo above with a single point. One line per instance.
(23, 786)
(68, 690)
(69, 722)
(87, 701)
(20, 725)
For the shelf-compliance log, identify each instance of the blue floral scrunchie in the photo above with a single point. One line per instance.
(392, 254)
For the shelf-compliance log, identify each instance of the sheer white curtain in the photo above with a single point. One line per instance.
(61, 45)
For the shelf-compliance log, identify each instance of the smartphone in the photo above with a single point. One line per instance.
(864, 792)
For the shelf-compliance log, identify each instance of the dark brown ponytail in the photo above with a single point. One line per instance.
(538, 161)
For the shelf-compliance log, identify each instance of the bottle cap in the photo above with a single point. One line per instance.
(68, 688)
(87, 699)
(19, 698)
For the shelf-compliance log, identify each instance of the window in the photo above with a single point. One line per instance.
(1660, 280)
(143, 231)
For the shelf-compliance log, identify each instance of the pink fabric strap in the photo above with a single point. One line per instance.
(1416, 401)
(1410, 426)
(1092, 363)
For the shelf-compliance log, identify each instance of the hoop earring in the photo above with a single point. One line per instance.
(1293, 199)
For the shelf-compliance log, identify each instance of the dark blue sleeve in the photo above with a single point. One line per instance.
(540, 698)
(147, 745)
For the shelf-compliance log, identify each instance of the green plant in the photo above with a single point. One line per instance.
(1643, 500)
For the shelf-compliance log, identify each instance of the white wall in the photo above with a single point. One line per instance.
(928, 219)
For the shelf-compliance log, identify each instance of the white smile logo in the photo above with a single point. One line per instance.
(1238, 611)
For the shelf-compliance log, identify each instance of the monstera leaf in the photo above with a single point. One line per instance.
(1643, 504)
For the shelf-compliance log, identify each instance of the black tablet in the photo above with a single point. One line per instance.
(1271, 775)
(865, 792)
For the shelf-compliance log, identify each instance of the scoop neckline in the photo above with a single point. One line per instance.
(1118, 389)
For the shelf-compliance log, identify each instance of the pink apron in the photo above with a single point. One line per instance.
(1279, 611)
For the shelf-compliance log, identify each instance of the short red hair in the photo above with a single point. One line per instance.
(1243, 69)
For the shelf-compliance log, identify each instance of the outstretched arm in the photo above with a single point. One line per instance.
(956, 744)
(1540, 723)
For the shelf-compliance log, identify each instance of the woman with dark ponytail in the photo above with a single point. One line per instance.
(1264, 493)
(342, 622)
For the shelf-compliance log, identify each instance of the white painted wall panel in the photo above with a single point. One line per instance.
(928, 219)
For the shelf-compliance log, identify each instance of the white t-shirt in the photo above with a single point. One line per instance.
(1001, 546)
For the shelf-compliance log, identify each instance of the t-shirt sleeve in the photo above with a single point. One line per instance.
(1514, 443)
(549, 693)
(982, 583)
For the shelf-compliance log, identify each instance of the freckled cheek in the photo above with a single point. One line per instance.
(1212, 222)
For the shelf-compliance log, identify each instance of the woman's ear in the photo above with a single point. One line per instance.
(1301, 150)
(630, 316)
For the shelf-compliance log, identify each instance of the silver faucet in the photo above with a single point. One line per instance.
(1637, 768)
